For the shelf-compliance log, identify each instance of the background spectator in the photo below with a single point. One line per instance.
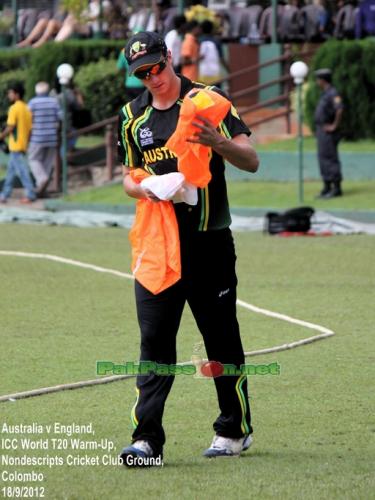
(18, 129)
(365, 21)
(46, 28)
(315, 21)
(28, 18)
(76, 115)
(290, 22)
(266, 22)
(173, 41)
(190, 51)
(165, 15)
(133, 85)
(211, 55)
(344, 19)
(46, 116)
(87, 25)
(117, 23)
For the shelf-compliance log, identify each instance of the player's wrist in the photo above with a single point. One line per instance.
(221, 144)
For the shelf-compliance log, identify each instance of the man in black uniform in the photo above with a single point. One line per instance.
(327, 118)
(208, 279)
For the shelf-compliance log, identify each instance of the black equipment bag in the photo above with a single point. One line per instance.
(295, 220)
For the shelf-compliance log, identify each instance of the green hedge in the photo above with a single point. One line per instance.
(14, 59)
(353, 67)
(103, 89)
(45, 60)
(10, 77)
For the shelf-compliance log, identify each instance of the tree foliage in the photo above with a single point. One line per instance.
(353, 67)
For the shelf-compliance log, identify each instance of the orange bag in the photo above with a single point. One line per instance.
(194, 159)
(154, 237)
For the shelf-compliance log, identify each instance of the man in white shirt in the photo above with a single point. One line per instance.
(173, 40)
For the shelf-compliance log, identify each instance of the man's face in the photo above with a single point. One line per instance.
(197, 31)
(159, 84)
(321, 83)
(12, 96)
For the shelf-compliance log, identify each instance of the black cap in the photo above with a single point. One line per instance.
(324, 74)
(143, 49)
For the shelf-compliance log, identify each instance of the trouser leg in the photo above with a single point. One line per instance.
(24, 175)
(49, 161)
(209, 272)
(159, 318)
(36, 155)
(329, 162)
(9, 179)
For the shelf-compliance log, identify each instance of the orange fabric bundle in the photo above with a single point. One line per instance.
(154, 237)
(156, 260)
(194, 159)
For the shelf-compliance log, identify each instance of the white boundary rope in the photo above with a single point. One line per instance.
(325, 332)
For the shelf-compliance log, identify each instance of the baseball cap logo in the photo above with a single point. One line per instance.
(137, 49)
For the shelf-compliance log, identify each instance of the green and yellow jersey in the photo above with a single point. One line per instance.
(142, 135)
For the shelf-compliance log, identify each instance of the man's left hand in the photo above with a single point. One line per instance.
(206, 133)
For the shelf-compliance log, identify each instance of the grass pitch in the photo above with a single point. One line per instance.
(314, 428)
(359, 195)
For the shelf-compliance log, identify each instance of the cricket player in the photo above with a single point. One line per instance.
(208, 278)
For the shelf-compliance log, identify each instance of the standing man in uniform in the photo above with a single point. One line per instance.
(328, 115)
(208, 279)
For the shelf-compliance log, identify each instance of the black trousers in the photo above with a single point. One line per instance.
(329, 162)
(208, 284)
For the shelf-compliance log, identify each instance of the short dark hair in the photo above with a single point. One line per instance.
(190, 25)
(207, 27)
(18, 88)
(327, 78)
(324, 74)
(179, 21)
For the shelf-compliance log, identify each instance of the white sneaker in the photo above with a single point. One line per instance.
(137, 454)
(144, 447)
(228, 447)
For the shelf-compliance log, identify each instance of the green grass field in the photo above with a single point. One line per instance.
(358, 195)
(314, 427)
(309, 144)
(289, 145)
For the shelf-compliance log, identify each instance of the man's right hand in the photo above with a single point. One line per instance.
(150, 195)
(135, 190)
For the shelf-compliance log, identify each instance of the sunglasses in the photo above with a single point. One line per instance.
(154, 70)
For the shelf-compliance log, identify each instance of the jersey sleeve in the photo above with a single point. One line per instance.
(12, 116)
(128, 152)
(232, 124)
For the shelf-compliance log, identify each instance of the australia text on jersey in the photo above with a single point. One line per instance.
(152, 155)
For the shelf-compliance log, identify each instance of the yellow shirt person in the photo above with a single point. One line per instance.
(19, 117)
(18, 130)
